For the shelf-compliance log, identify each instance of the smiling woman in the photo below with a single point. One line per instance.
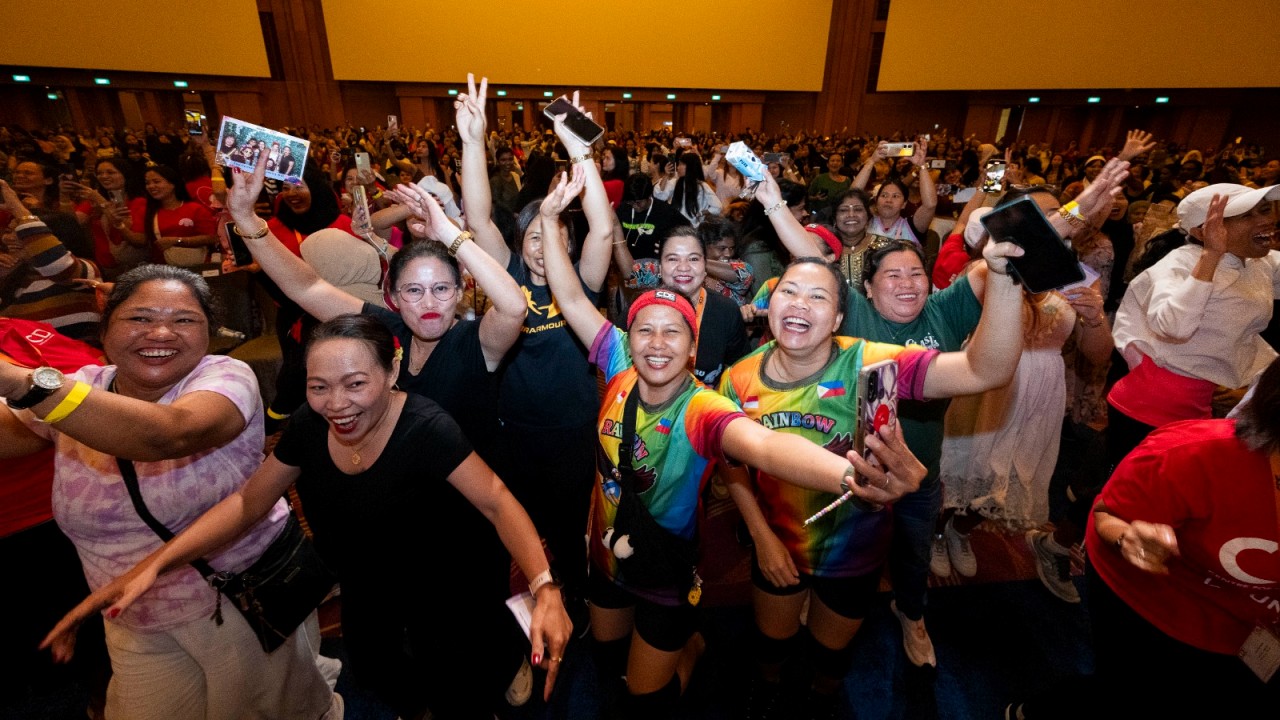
(191, 426)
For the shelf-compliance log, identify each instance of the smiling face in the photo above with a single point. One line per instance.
(110, 178)
(155, 338)
(531, 249)
(804, 309)
(1252, 234)
(851, 218)
(899, 288)
(297, 197)
(684, 267)
(347, 385)
(29, 177)
(159, 188)
(661, 345)
(429, 279)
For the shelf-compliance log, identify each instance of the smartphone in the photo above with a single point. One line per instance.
(877, 404)
(362, 163)
(581, 126)
(900, 149)
(684, 142)
(239, 250)
(993, 176)
(393, 125)
(194, 124)
(772, 158)
(1047, 263)
(937, 164)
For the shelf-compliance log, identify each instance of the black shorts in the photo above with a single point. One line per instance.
(849, 597)
(666, 627)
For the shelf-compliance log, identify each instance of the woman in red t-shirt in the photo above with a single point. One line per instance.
(108, 211)
(175, 225)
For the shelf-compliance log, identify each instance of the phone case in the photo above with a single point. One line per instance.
(877, 404)
(900, 149)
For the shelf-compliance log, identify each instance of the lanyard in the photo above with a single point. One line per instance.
(697, 329)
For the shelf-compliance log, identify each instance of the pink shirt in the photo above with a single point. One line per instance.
(92, 506)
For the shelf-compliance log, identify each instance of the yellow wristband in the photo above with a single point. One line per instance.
(69, 403)
(1073, 208)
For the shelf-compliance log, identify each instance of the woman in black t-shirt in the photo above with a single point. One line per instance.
(371, 464)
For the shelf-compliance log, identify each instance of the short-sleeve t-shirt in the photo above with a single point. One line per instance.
(1219, 498)
(546, 381)
(455, 376)
(187, 220)
(92, 506)
(676, 446)
(823, 409)
(645, 231)
(722, 337)
(949, 316)
(370, 527)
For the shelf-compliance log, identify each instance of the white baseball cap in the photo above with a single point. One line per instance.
(1195, 206)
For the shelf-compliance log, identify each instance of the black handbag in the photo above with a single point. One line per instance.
(658, 557)
(276, 593)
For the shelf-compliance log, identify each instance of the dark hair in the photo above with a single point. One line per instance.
(128, 283)
(793, 193)
(324, 208)
(683, 231)
(896, 182)
(621, 164)
(1258, 420)
(504, 150)
(842, 286)
(713, 229)
(684, 197)
(878, 252)
(1159, 246)
(363, 328)
(538, 172)
(853, 194)
(1033, 166)
(636, 187)
(421, 249)
(133, 186)
(153, 206)
(527, 216)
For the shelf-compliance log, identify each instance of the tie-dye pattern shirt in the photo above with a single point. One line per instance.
(824, 410)
(676, 447)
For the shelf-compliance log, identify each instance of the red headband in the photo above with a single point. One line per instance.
(663, 297)
(827, 237)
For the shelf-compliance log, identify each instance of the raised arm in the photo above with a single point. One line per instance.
(928, 191)
(110, 423)
(594, 262)
(864, 173)
(1178, 301)
(577, 308)
(476, 195)
(295, 277)
(46, 253)
(500, 327)
(798, 241)
(218, 526)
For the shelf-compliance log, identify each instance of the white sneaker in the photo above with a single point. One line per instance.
(915, 640)
(521, 688)
(960, 552)
(939, 561)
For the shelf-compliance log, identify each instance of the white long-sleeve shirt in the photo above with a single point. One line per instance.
(1207, 330)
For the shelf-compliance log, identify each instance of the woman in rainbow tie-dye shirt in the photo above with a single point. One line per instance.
(804, 383)
(681, 428)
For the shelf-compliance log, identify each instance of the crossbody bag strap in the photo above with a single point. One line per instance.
(135, 494)
(627, 448)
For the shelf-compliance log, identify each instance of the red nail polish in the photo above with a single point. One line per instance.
(537, 658)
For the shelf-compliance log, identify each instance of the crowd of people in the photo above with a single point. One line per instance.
(522, 348)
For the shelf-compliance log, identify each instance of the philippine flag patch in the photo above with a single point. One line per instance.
(751, 403)
(664, 426)
(835, 388)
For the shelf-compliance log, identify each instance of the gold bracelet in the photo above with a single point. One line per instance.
(581, 158)
(1097, 323)
(69, 404)
(463, 236)
(1072, 218)
(256, 236)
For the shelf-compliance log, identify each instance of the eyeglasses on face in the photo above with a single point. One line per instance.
(413, 293)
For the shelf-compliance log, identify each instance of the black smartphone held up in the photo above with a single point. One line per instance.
(238, 248)
(582, 127)
(877, 404)
(1047, 262)
(993, 176)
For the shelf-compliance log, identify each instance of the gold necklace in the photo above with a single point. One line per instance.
(373, 435)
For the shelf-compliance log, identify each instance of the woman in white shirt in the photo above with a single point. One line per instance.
(690, 193)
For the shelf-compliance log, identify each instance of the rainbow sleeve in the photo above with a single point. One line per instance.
(609, 351)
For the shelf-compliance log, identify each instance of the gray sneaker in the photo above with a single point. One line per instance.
(1053, 568)
(521, 688)
(939, 560)
(961, 552)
